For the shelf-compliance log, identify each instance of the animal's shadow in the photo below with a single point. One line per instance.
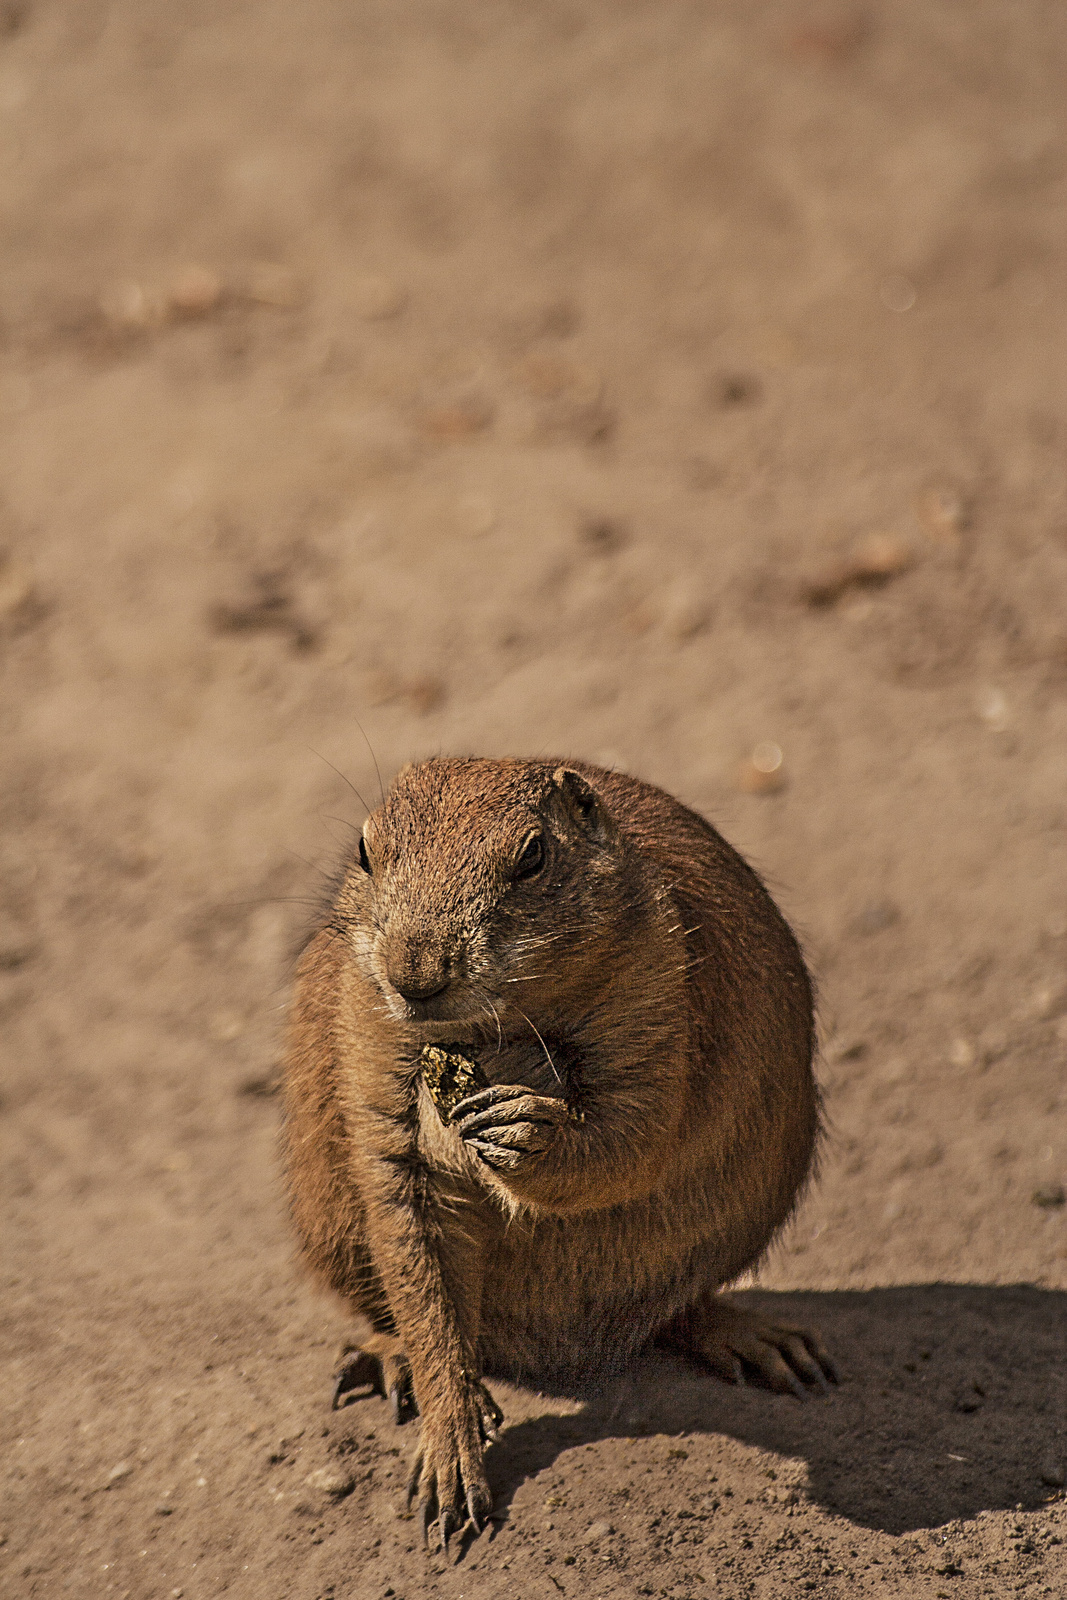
(952, 1402)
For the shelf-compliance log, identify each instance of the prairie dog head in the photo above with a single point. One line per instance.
(483, 889)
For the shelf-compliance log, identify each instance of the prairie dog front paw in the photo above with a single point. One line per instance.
(507, 1126)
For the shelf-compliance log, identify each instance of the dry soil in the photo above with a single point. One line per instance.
(650, 382)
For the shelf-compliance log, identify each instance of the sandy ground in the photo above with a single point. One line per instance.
(540, 377)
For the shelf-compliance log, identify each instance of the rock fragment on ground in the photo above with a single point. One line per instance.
(870, 562)
(194, 292)
(331, 1481)
(763, 771)
(941, 513)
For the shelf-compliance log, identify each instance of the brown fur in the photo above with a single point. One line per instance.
(644, 1016)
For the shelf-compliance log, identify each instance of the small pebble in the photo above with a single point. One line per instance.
(763, 771)
(164, 1509)
(993, 709)
(129, 306)
(1048, 1001)
(870, 562)
(331, 1481)
(376, 299)
(195, 292)
(1049, 1196)
(878, 556)
(597, 1531)
(941, 513)
(116, 1475)
(271, 284)
(897, 292)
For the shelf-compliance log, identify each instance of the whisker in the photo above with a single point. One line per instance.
(341, 775)
(374, 758)
(277, 900)
(298, 857)
(544, 1047)
(499, 1029)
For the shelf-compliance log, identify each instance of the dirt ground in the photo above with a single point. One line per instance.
(649, 382)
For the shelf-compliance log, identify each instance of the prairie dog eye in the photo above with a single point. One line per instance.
(364, 858)
(531, 857)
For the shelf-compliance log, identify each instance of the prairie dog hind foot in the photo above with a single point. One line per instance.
(377, 1361)
(736, 1343)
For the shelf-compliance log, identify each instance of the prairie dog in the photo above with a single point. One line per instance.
(642, 1017)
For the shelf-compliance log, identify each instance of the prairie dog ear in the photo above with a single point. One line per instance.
(584, 805)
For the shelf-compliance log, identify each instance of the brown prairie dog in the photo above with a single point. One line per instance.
(642, 1017)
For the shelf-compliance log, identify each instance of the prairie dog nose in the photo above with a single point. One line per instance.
(418, 973)
(421, 988)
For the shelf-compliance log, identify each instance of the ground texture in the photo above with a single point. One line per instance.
(653, 383)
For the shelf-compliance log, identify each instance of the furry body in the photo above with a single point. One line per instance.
(644, 1018)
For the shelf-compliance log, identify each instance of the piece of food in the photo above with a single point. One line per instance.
(450, 1077)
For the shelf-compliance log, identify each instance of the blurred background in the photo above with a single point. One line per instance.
(676, 386)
